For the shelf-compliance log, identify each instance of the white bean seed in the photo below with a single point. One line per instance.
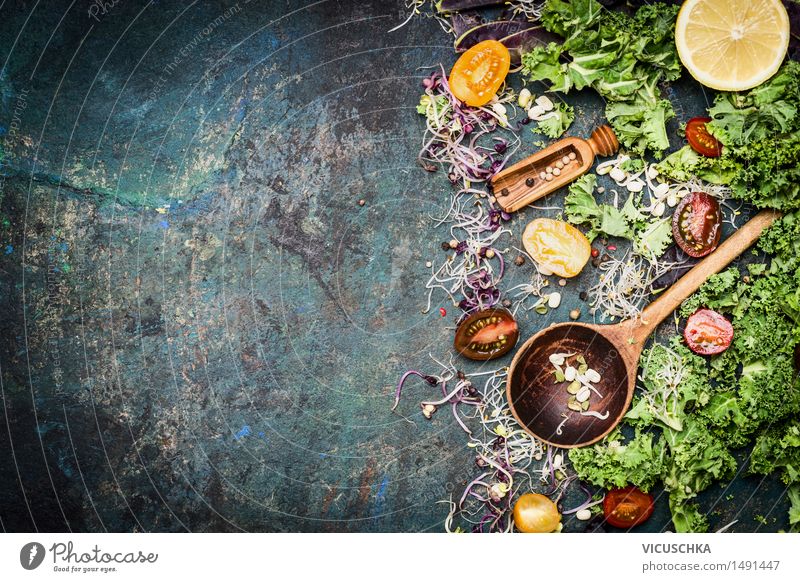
(535, 112)
(524, 98)
(617, 174)
(584, 514)
(635, 186)
(545, 103)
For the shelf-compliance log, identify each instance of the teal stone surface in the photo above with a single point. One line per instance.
(200, 326)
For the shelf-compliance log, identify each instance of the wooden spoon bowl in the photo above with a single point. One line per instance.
(539, 403)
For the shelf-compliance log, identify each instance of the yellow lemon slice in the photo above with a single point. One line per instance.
(732, 45)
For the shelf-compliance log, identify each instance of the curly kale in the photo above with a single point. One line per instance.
(622, 57)
(616, 463)
(760, 134)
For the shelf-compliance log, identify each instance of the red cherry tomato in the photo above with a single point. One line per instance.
(627, 507)
(701, 141)
(697, 224)
(708, 332)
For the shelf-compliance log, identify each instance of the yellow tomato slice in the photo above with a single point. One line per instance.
(535, 513)
(557, 246)
(479, 72)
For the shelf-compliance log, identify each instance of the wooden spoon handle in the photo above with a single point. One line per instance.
(671, 299)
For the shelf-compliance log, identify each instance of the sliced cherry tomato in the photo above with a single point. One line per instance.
(479, 72)
(701, 141)
(556, 246)
(708, 332)
(487, 334)
(535, 513)
(697, 224)
(627, 507)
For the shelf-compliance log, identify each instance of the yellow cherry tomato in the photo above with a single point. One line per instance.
(479, 72)
(535, 513)
(557, 246)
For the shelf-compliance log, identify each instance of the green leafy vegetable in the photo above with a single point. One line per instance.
(557, 121)
(650, 237)
(699, 412)
(616, 463)
(769, 109)
(622, 57)
(760, 134)
(582, 208)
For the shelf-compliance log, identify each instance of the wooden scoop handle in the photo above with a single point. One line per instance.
(671, 299)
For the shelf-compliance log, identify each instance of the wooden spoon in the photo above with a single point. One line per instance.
(538, 403)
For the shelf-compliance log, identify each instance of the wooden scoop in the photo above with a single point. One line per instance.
(538, 403)
(540, 174)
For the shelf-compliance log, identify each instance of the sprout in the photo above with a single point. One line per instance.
(625, 284)
(454, 132)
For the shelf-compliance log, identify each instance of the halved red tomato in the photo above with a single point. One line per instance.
(479, 72)
(697, 224)
(701, 141)
(708, 332)
(627, 507)
(487, 334)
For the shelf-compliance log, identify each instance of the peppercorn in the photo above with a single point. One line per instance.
(506, 303)
(583, 295)
(519, 261)
(362, 202)
(445, 246)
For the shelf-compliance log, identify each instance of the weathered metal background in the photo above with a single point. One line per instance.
(199, 325)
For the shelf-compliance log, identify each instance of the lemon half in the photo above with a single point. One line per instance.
(732, 45)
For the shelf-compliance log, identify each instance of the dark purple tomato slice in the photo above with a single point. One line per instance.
(708, 332)
(697, 224)
(487, 334)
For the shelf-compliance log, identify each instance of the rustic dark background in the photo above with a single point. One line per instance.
(199, 325)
